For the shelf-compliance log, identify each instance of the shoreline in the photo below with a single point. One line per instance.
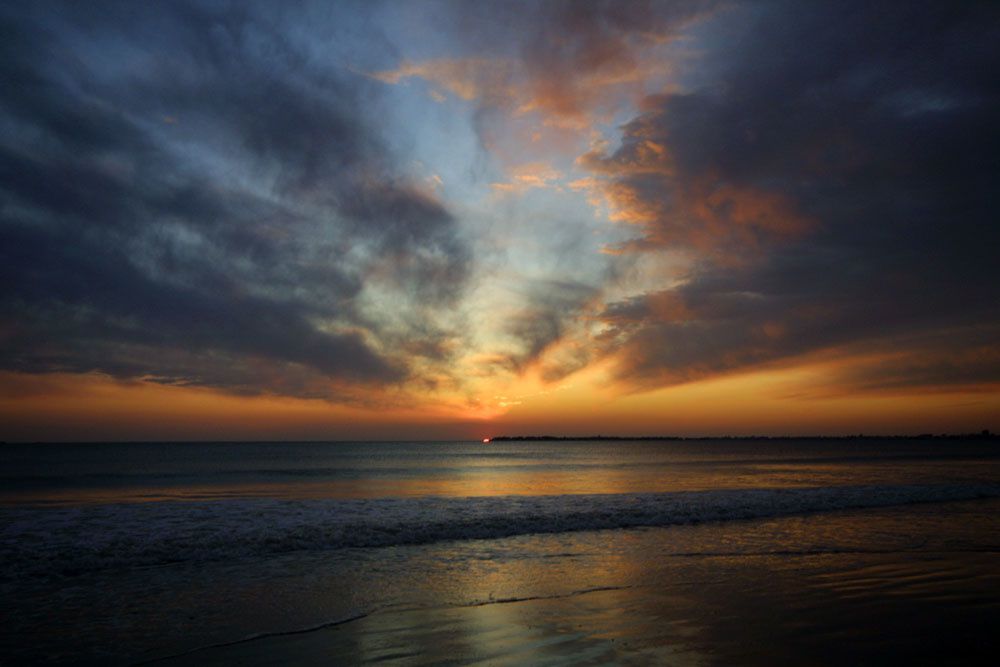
(634, 604)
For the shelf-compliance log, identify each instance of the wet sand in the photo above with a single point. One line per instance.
(912, 585)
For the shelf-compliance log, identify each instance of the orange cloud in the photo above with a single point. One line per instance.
(639, 184)
(527, 176)
(772, 400)
(564, 99)
(601, 59)
(466, 78)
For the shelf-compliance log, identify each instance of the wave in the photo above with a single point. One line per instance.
(68, 541)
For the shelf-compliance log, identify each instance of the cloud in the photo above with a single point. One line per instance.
(550, 311)
(528, 176)
(677, 207)
(466, 78)
(601, 45)
(244, 244)
(831, 183)
(571, 62)
(205, 195)
(953, 364)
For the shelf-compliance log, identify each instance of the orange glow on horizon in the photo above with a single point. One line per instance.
(792, 400)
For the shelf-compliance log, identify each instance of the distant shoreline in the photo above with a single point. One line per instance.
(982, 435)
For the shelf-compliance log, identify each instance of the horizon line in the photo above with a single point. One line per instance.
(983, 434)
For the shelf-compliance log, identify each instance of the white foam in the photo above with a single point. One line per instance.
(67, 541)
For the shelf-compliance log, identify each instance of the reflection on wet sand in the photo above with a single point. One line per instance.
(912, 585)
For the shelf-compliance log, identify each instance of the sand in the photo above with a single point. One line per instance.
(872, 587)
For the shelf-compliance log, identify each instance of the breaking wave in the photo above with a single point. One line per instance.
(67, 541)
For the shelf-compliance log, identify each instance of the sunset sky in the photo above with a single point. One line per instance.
(335, 220)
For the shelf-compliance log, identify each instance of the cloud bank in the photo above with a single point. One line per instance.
(830, 180)
(190, 195)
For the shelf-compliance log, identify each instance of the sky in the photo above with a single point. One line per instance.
(438, 220)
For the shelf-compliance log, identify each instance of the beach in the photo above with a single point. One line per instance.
(757, 594)
(525, 332)
(799, 553)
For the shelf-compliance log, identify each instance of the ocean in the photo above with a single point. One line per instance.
(544, 552)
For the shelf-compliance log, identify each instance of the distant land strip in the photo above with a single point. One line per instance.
(981, 435)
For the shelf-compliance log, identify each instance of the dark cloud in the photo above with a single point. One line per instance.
(832, 184)
(550, 307)
(966, 357)
(189, 194)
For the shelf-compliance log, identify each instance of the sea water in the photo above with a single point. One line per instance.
(118, 553)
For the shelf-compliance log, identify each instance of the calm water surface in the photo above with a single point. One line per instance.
(136, 472)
